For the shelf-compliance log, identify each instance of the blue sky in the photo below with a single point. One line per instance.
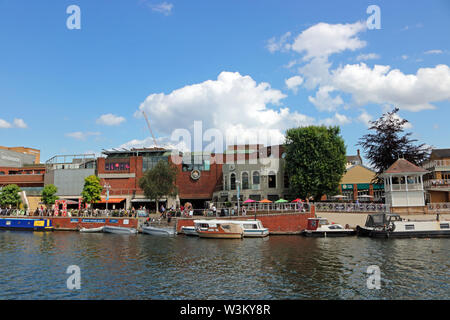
(225, 63)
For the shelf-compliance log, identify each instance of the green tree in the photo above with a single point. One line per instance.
(48, 195)
(315, 160)
(387, 144)
(10, 196)
(92, 189)
(159, 182)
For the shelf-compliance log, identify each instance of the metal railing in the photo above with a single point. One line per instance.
(436, 163)
(351, 207)
(266, 207)
(437, 183)
(439, 207)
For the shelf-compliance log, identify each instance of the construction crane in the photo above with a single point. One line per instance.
(150, 128)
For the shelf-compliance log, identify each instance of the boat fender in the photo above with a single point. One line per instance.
(391, 227)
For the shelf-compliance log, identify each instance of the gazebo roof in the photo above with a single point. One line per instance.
(402, 166)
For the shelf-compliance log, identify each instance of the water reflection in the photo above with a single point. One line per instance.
(33, 266)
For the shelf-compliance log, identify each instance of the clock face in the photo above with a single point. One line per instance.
(195, 174)
(283, 155)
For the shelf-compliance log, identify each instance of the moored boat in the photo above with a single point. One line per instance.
(252, 228)
(218, 229)
(189, 231)
(119, 230)
(26, 224)
(92, 230)
(320, 227)
(387, 225)
(158, 231)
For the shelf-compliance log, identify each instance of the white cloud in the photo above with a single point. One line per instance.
(5, 124)
(338, 119)
(323, 39)
(110, 119)
(323, 101)
(365, 118)
(405, 57)
(293, 83)
(278, 45)
(369, 56)
(17, 123)
(235, 105)
(78, 135)
(433, 52)
(380, 84)
(164, 8)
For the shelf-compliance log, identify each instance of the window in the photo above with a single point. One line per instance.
(444, 225)
(409, 227)
(272, 180)
(117, 165)
(286, 181)
(256, 177)
(233, 181)
(196, 162)
(245, 180)
(225, 184)
(149, 162)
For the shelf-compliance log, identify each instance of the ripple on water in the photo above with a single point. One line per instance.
(33, 266)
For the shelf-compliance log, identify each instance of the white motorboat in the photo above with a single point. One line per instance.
(189, 231)
(89, 230)
(320, 227)
(388, 225)
(119, 230)
(159, 231)
(252, 228)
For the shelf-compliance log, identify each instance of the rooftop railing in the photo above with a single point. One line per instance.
(437, 183)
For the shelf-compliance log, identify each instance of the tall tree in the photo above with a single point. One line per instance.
(92, 189)
(9, 196)
(387, 143)
(48, 195)
(159, 182)
(315, 160)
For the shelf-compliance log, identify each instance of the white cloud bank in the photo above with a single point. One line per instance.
(293, 83)
(380, 84)
(110, 119)
(78, 135)
(17, 123)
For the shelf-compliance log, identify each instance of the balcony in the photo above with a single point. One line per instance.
(437, 165)
(438, 184)
(409, 187)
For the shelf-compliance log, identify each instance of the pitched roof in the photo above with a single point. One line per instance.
(404, 166)
(440, 153)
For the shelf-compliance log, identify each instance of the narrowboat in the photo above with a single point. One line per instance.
(26, 224)
(388, 225)
(218, 229)
(320, 227)
(92, 230)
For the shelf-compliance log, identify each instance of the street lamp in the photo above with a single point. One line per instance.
(238, 183)
(107, 186)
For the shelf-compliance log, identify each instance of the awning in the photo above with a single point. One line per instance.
(111, 200)
(146, 200)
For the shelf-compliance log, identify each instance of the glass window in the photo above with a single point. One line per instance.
(272, 180)
(256, 177)
(286, 181)
(245, 180)
(233, 181)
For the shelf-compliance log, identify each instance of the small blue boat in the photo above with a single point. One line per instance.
(26, 224)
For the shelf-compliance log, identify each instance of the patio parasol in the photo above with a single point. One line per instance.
(265, 201)
(281, 201)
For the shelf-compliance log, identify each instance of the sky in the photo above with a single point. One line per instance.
(238, 71)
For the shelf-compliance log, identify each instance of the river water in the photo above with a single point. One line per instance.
(33, 265)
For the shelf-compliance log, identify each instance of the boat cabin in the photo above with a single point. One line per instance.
(314, 223)
(381, 219)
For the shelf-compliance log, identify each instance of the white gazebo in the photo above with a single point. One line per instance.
(403, 187)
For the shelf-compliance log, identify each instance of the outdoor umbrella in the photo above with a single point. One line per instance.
(297, 200)
(339, 196)
(365, 196)
(265, 201)
(281, 201)
(249, 201)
